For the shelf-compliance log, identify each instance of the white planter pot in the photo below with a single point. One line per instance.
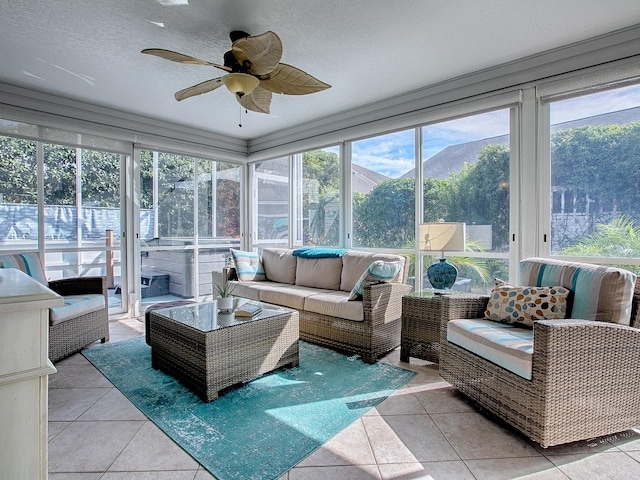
(225, 303)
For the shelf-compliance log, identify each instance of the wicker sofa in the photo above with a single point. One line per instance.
(83, 319)
(319, 288)
(584, 371)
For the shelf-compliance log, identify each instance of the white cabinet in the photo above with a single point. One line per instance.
(24, 370)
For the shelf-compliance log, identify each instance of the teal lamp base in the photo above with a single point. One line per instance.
(442, 275)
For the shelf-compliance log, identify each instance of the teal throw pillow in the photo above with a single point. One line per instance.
(379, 271)
(248, 265)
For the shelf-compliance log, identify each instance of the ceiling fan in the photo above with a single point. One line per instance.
(254, 71)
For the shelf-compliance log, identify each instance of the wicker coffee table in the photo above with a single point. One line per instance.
(209, 351)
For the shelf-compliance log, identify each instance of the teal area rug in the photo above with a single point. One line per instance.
(263, 428)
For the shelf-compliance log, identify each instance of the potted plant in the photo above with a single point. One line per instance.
(225, 300)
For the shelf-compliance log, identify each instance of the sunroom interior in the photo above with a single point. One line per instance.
(535, 154)
(519, 119)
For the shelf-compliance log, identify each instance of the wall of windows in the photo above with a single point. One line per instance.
(548, 168)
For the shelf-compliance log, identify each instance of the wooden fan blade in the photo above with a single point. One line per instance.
(263, 51)
(257, 101)
(199, 89)
(290, 80)
(181, 58)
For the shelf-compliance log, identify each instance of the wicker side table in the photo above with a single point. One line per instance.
(422, 314)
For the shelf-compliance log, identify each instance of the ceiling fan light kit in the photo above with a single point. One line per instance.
(240, 83)
(254, 72)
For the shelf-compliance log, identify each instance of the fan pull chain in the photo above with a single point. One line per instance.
(246, 113)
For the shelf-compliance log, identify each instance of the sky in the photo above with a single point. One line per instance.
(393, 154)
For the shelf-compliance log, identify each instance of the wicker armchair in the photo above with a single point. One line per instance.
(585, 377)
(75, 333)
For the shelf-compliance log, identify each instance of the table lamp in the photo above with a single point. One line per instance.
(442, 236)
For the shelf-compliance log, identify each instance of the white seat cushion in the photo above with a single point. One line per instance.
(503, 344)
(76, 305)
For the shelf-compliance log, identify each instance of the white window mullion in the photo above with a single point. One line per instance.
(346, 217)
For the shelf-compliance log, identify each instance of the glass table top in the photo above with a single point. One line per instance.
(206, 316)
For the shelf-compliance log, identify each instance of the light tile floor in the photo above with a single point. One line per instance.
(425, 431)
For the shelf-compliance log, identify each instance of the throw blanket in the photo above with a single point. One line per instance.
(315, 252)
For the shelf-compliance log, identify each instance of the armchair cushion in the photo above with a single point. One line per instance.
(505, 345)
(599, 293)
(75, 306)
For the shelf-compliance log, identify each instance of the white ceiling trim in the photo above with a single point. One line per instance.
(20, 104)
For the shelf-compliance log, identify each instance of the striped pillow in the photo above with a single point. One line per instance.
(599, 293)
(28, 263)
(378, 271)
(248, 265)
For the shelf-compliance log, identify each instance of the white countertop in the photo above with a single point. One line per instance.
(16, 287)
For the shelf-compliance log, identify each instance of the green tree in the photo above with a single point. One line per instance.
(601, 161)
(321, 197)
(18, 183)
(385, 218)
(480, 194)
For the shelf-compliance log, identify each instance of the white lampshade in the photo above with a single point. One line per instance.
(442, 236)
(240, 83)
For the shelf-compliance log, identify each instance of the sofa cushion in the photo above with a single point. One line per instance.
(334, 304)
(522, 305)
(319, 272)
(599, 293)
(378, 271)
(291, 296)
(75, 306)
(279, 265)
(28, 263)
(250, 289)
(354, 263)
(505, 345)
(248, 265)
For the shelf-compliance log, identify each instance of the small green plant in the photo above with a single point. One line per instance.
(225, 289)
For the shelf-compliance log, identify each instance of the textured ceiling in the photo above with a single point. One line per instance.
(368, 50)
